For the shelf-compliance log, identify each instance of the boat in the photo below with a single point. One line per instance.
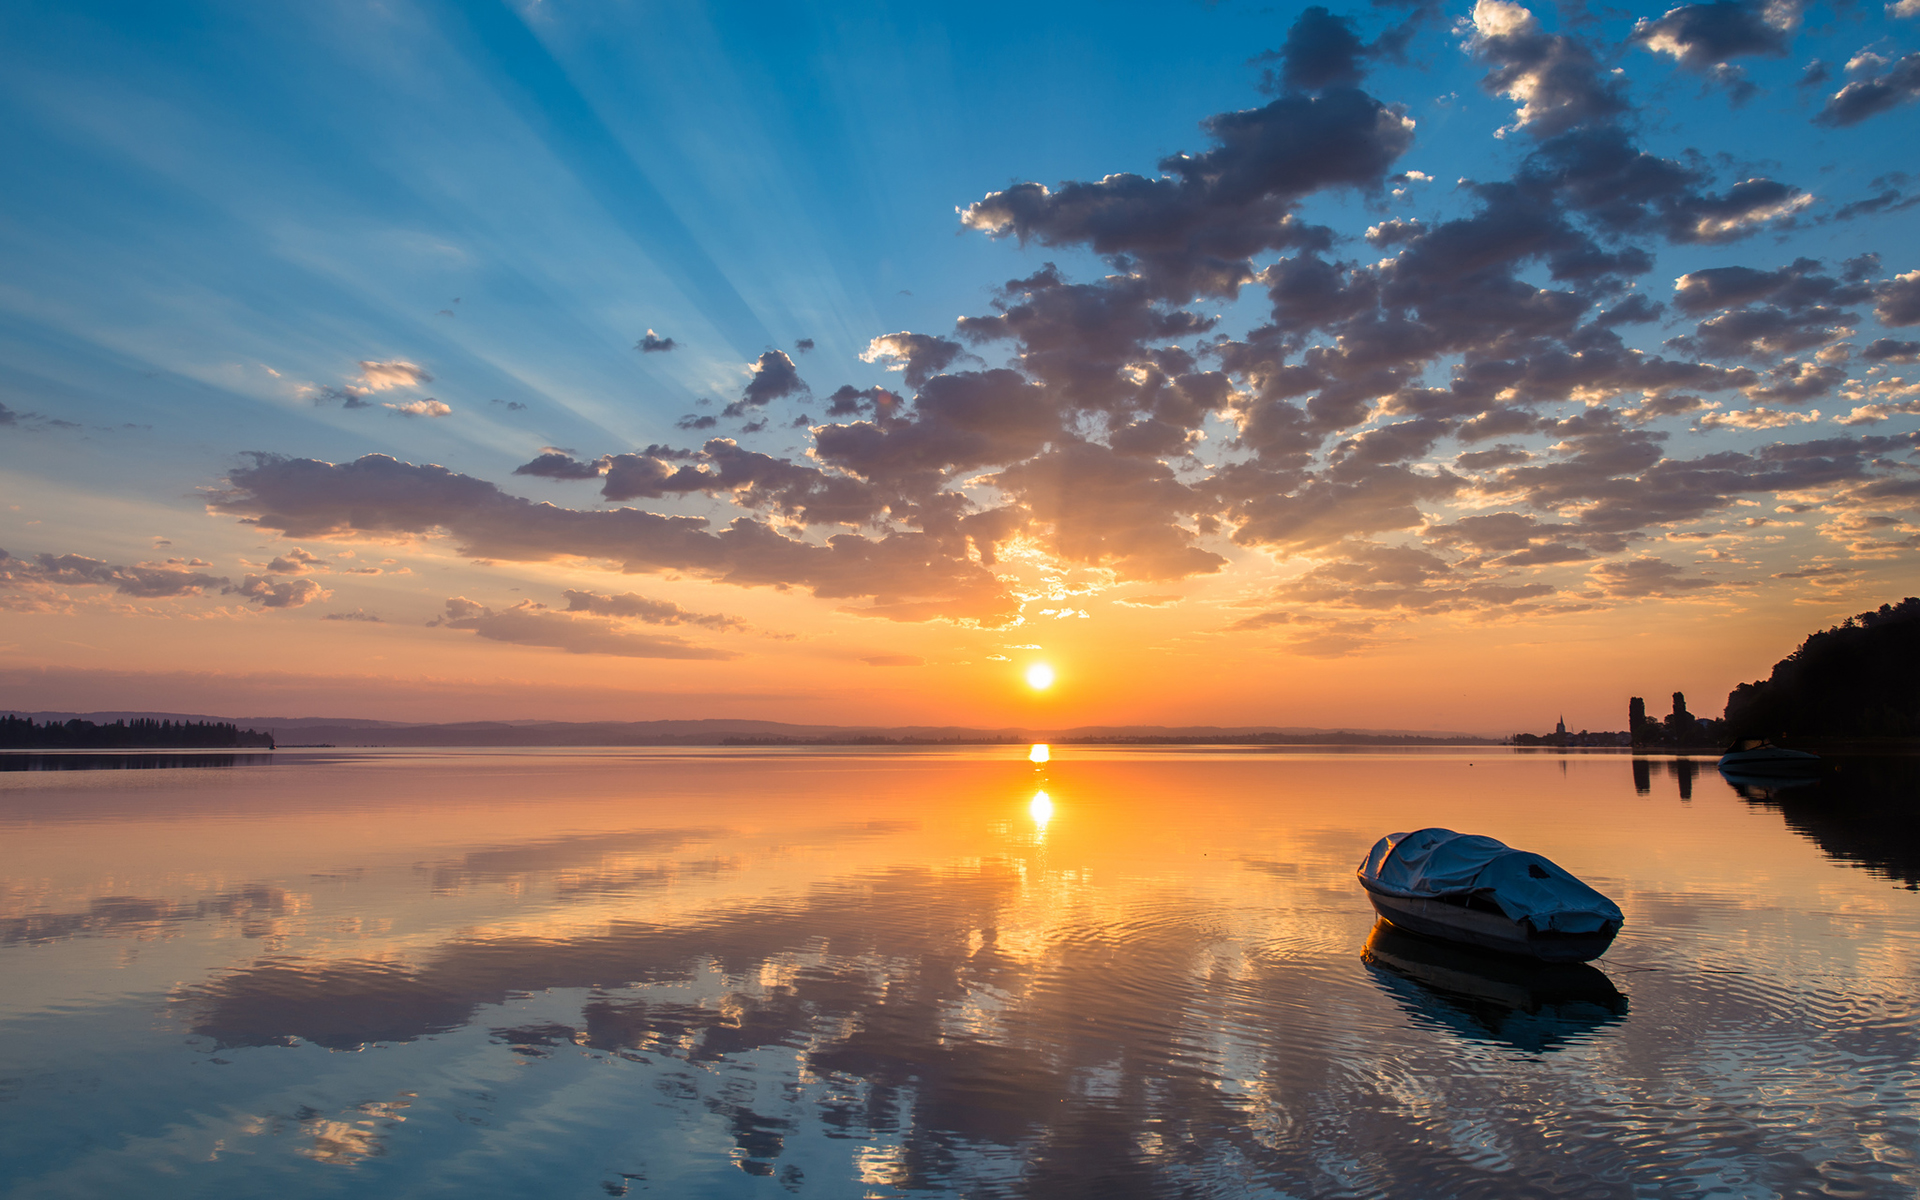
(1761, 759)
(1479, 891)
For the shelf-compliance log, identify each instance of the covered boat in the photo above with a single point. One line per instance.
(1477, 890)
(1762, 759)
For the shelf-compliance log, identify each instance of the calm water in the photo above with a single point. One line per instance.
(868, 974)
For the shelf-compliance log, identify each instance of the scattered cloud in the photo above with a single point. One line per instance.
(380, 376)
(653, 343)
(529, 623)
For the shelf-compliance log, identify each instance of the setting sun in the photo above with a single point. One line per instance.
(1040, 753)
(1040, 677)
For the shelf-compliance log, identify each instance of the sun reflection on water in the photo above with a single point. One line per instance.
(1040, 808)
(1040, 753)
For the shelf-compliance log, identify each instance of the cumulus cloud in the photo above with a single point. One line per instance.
(529, 623)
(1640, 578)
(380, 376)
(426, 406)
(920, 355)
(279, 593)
(653, 343)
(774, 376)
(653, 612)
(297, 562)
(44, 575)
(1445, 415)
(904, 575)
(1874, 93)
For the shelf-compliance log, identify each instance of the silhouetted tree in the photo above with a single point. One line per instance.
(1637, 720)
(1859, 679)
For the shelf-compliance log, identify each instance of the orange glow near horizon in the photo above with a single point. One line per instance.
(1040, 677)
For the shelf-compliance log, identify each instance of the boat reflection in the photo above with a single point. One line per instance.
(1532, 1006)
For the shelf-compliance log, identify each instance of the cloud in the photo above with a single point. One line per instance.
(532, 624)
(638, 607)
(281, 593)
(802, 345)
(1755, 418)
(1703, 36)
(1890, 350)
(1897, 301)
(297, 562)
(554, 463)
(379, 376)
(345, 397)
(894, 660)
(1556, 79)
(44, 574)
(1873, 94)
(1321, 51)
(920, 355)
(905, 575)
(652, 343)
(1641, 578)
(774, 376)
(425, 407)
(358, 614)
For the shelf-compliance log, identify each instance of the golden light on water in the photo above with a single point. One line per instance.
(1040, 808)
(1040, 753)
(1039, 677)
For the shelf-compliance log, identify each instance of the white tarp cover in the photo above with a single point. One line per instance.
(1526, 886)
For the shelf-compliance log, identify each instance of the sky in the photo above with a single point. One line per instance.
(1419, 366)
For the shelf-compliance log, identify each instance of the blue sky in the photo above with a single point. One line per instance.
(219, 215)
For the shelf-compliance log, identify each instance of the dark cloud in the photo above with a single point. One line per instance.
(774, 376)
(640, 608)
(345, 397)
(1897, 301)
(1640, 578)
(1873, 94)
(146, 581)
(531, 624)
(553, 463)
(1558, 81)
(358, 614)
(297, 562)
(921, 356)
(1095, 507)
(1703, 36)
(1190, 230)
(905, 575)
(1889, 350)
(694, 421)
(1321, 51)
(653, 343)
(802, 345)
(278, 593)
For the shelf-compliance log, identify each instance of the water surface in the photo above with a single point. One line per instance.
(854, 973)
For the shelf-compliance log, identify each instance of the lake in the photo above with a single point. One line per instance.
(859, 973)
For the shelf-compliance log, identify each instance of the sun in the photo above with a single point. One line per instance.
(1039, 677)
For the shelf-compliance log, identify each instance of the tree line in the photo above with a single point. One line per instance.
(21, 733)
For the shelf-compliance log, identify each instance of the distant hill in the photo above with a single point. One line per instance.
(725, 730)
(1859, 679)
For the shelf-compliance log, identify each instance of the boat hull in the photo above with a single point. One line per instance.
(1487, 931)
(1770, 762)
